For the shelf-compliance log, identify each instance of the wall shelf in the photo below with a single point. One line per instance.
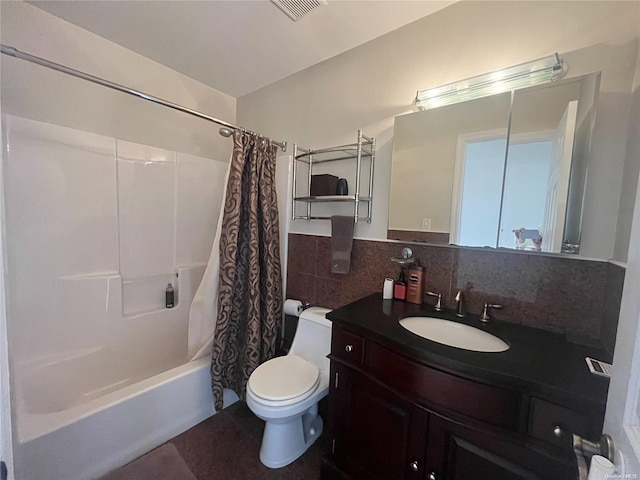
(361, 152)
(331, 198)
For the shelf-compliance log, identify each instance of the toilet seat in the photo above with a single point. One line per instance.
(283, 379)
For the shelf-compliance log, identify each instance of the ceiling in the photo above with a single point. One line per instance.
(238, 46)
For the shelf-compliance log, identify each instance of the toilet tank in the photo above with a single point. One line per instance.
(312, 340)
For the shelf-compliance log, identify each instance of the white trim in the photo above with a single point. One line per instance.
(530, 137)
(461, 155)
(6, 431)
(458, 173)
(631, 421)
(618, 263)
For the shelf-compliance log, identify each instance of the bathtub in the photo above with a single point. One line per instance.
(81, 430)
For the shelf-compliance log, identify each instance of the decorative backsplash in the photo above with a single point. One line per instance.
(577, 298)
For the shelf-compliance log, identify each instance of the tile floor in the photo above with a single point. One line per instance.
(227, 445)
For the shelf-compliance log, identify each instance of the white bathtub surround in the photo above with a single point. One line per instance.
(72, 218)
(96, 229)
(204, 307)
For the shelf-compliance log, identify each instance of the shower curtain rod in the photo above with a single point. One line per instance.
(14, 52)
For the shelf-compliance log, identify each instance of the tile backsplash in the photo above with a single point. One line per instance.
(577, 298)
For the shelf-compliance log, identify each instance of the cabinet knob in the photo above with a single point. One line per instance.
(414, 465)
(432, 476)
(349, 348)
(557, 431)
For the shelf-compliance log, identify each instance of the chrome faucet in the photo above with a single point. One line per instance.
(438, 306)
(460, 304)
(484, 318)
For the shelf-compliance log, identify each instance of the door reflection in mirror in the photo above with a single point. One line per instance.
(476, 211)
(512, 195)
(525, 193)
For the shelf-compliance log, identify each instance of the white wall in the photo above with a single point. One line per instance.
(623, 402)
(631, 170)
(38, 93)
(368, 86)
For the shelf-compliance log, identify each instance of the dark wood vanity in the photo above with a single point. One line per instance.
(403, 407)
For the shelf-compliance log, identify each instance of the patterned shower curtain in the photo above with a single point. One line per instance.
(250, 289)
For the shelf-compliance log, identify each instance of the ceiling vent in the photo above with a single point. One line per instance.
(296, 9)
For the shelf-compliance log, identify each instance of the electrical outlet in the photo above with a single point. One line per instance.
(426, 224)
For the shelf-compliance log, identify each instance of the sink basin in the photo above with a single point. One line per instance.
(454, 334)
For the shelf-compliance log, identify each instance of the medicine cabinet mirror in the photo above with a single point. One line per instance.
(504, 171)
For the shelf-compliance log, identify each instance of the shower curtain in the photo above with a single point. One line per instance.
(250, 285)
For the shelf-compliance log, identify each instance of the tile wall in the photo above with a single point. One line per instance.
(578, 298)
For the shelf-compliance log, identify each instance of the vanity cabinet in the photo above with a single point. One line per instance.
(457, 452)
(393, 416)
(374, 427)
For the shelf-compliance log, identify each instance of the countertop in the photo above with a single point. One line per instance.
(538, 362)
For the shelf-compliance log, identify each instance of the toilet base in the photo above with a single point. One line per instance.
(283, 443)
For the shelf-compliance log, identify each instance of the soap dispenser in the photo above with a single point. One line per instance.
(400, 288)
(415, 284)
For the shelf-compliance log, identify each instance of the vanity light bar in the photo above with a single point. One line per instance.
(539, 71)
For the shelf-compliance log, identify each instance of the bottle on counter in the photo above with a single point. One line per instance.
(169, 296)
(415, 284)
(400, 288)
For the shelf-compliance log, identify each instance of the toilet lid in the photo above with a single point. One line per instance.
(283, 378)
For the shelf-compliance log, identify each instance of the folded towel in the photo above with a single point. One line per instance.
(341, 243)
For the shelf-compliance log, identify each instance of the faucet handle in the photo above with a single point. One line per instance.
(438, 306)
(485, 311)
(459, 304)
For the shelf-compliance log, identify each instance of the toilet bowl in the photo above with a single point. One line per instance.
(284, 391)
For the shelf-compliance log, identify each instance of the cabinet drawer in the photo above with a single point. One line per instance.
(472, 399)
(347, 345)
(554, 424)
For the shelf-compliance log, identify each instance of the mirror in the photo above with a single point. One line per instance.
(504, 171)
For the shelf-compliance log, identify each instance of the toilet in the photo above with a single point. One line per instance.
(284, 391)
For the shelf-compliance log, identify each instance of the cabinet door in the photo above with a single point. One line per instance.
(378, 435)
(461, 453)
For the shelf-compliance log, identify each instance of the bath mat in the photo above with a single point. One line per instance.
(163, 462)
